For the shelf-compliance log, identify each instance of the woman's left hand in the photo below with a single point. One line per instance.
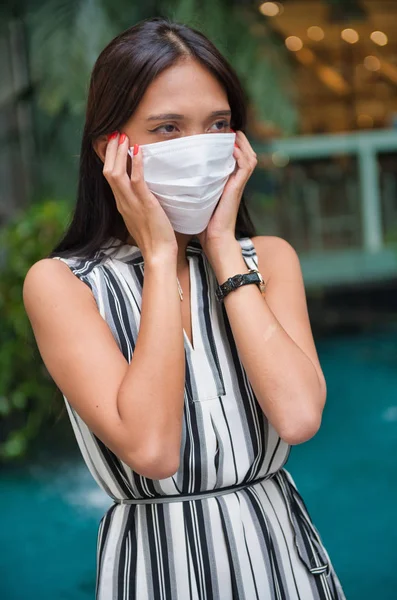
(221, 227)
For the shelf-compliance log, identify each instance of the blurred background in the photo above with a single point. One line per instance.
(321, 77)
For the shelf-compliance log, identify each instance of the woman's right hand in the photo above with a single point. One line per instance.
(142, 213)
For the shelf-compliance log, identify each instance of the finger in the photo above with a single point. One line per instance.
(244, 144)
(137, 176)
(120, 163)
(241, 158)
(137, 166)
(241, 143)
(244, 170)
(117, 175)
(110, 154)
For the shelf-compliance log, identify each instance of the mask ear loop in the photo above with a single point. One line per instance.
(129, 171)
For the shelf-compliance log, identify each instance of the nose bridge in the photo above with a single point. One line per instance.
(195, 128)
(195, 123)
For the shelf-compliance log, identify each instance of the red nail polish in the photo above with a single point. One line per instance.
(113, 135)
(136, 149)
(122, 138)
(232, 130)
(235, 145)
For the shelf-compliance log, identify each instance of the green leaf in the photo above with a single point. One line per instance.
(18, 399)
(24, 380)
(14, 447)
(4, 406)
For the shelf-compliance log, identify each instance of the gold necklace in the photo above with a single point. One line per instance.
(179, 289)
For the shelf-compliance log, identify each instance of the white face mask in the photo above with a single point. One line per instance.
(187, 175)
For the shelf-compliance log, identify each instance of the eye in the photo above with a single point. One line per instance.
(221, 125)
(167, 128)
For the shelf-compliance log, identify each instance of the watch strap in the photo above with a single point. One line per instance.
(253, 276)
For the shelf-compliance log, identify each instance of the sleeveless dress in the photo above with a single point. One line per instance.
(253, 543)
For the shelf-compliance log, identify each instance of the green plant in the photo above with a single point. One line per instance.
(65, 45)
(27, 391)
(62, 39)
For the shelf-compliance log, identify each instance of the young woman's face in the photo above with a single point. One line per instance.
(185, 99)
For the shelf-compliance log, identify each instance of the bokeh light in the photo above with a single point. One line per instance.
(269, 9)
(372, 63)
(378, 37)
(350, 36)
(294, 43)
(280, 159)
(315, 33)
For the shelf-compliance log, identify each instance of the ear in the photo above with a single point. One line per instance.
(100, 145)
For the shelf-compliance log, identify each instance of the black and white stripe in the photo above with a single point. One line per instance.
(257, 543)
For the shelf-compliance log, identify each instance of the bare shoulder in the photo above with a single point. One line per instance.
(276, 257)
(48, 271)
(50, 277)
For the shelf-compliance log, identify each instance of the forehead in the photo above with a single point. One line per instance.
(184, 87)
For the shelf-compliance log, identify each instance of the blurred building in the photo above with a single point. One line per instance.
(333, 188)
(345, 53)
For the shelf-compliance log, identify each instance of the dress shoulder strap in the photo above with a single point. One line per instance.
(82, 268)
(248, 251)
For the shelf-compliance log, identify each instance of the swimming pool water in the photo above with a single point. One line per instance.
(347, 475)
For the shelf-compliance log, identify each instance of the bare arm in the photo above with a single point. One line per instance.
(274, 337)
(151, 396)
(135, 409)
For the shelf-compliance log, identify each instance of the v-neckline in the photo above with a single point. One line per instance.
(124, 250)
(192, 345)
(205, 380)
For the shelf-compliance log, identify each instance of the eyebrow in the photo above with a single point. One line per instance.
(178, 117)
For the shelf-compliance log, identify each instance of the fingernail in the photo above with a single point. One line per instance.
(122, 138)
(235, 145)
(113, 135)
(136, 149)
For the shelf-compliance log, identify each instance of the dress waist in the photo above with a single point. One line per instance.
(307, 539)
(187, 497)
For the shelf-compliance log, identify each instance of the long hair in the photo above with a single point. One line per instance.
(119, 79)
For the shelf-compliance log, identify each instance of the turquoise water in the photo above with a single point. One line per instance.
(347, 475)
(348, 472)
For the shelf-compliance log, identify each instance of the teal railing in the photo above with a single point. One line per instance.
(338, 203)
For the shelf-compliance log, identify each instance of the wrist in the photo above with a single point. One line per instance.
(228, 261)
(219, 244)
(162, 261)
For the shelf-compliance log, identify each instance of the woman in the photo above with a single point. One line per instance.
(184, 393)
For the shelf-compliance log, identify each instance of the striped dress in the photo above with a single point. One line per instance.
(230, 523)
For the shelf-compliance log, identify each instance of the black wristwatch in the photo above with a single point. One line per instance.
(253, 276)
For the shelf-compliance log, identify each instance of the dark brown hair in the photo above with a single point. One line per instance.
(120, 77)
